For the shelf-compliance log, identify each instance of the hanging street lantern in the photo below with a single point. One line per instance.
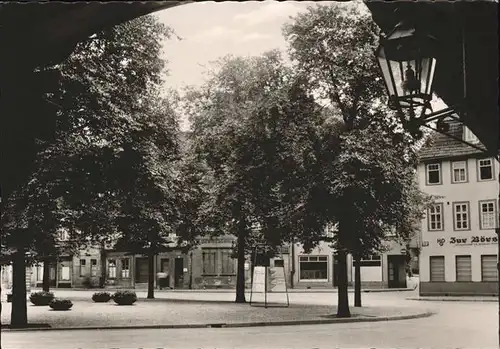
(406, 57)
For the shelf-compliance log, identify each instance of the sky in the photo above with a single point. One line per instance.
(210, 30)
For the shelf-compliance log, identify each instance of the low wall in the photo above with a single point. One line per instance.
(458, 288)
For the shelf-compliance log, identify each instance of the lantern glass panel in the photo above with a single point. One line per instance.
(428, 67)
(387, 75)
(407, 65)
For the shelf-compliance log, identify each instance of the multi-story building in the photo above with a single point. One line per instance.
(458, 239)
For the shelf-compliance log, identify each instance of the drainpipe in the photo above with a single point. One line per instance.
(498, 250)
(293, 266)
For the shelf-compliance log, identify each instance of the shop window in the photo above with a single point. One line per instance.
(485, 168)
(463, 268)
(65, 274)
(313, 268)
(279, 263)
(83, 267)
(461, 216)
(125, 268)
(39, 272)
(209, 261)
(489, 270)
(435, 217)
(436, 264)
(227, 262)
(93, 267)
(488, 215)
(112, 268)
(433, 172)
(459, 171)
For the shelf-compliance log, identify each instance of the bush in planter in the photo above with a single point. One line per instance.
(125, 297)
(101, 297)
(41, 298)
(61, 304)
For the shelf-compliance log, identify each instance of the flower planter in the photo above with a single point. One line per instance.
(41, 298)
(101, 297)
(61, 304)
(125, 297)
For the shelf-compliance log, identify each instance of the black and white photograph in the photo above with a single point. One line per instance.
(249, 175)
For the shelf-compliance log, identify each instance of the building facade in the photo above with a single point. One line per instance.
(81, 270)
(212, 265)
(458, 238)
(318, 268)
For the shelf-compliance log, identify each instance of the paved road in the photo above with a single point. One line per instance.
(457, 325)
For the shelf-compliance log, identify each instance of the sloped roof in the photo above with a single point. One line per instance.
(441, 146)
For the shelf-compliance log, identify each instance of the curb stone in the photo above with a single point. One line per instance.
(444, 299)
(234, 325)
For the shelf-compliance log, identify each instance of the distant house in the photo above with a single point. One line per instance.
(458, 239)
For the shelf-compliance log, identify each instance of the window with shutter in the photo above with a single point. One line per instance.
(437, 268)
(489, 268)
(209, 261)
(228, 263)
(463, 268)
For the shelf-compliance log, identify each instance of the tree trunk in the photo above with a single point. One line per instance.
(191, 270)
(343, 296)
(240, 277)
(46, 274)
(151, 274)
(102, 279)
(19, 313)
(357, 281)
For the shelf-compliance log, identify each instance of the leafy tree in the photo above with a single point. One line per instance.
(149, 207)
(366, 185)
(90, 163)
(254, 125)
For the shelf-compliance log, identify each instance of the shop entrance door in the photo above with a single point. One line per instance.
(396, 271)
(179, 272)
(141, 270)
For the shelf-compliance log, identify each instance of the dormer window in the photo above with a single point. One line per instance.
(469, 136)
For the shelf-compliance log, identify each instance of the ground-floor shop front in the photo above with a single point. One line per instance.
(459, 265)
(319, 268)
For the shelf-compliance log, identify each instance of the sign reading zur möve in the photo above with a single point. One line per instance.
(472, 240)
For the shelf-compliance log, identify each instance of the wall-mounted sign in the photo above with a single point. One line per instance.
(468, 241)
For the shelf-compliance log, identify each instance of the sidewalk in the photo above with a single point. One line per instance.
(168, 313)
(411, 287)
